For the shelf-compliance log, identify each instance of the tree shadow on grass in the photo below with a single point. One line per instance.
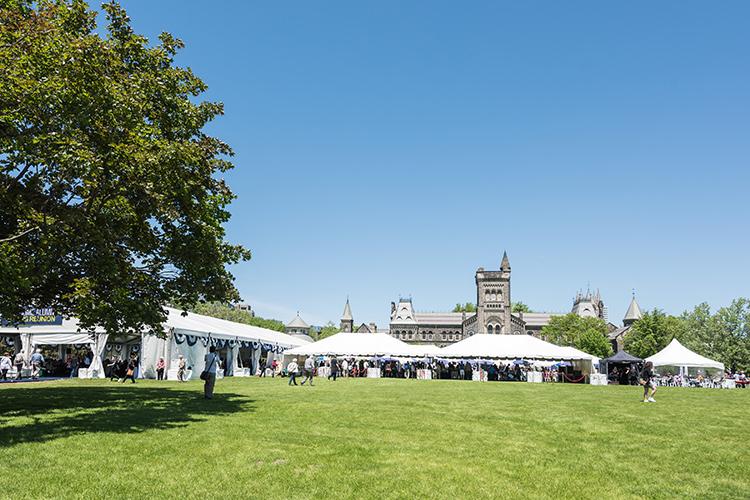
(42, 414)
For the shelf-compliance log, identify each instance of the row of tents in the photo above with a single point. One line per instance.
(243, 346)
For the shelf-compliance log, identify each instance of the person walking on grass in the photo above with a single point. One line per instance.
(36, 364)
(130, 371)
(647, 381)
(19, 361)
(212, 360)
(293, 370)
(5, 365)
(309, 370)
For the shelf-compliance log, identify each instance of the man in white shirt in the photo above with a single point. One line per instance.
(212, 362)
(292, 369)
(309, 370)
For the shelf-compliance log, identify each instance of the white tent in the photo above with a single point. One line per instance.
(578, 352)
(676, 354)
(356, 344)
(427, 350)
(188, 335)
(510, 347)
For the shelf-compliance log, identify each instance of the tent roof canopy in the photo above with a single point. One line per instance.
(191, 324)
(356, 344)
(511, 347)
(623, 357)
(676, 354)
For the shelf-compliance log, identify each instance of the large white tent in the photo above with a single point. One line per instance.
(189, 335)
(510, 347)
(356, 344)
(676, 354)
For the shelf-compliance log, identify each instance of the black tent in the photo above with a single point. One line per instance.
(625, 362)
(622, 357)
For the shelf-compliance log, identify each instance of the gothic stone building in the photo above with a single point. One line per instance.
(493, 315)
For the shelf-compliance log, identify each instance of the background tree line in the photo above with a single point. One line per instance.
(723, 335)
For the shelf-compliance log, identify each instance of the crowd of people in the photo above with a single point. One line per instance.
(439, 369)
(16, 367)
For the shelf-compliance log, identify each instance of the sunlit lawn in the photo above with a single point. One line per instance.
(370, 439)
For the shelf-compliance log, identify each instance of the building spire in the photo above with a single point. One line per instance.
(634, 312)
(347, 311)
(505, 264)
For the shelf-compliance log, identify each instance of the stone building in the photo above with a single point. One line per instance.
(493, 314)
(347, 322)
(297, 326)
(617, 336)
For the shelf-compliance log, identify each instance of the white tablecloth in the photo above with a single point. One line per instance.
(534, 377)
(324, 371)
(729, 384)
(479, 376)
(373, 373)
(424, 374)
(598, 379)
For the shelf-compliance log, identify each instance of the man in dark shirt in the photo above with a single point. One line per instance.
(647, 381)
(334, 368)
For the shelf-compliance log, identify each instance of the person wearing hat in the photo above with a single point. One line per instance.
(293, 370)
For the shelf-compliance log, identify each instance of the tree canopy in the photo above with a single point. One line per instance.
(468, 307)
(587, 334)
(225, 311)
(329, 329)
(723, 336)
(652, 333)
(519, 307)
(111, 194)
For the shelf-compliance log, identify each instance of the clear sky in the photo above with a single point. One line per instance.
(389, 148)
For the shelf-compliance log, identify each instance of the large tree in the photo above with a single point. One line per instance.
(111, 194)
(724, 336)
(587, 334)
(652, 333)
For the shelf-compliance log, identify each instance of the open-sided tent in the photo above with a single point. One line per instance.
(622, 357)
(357, 345)
(189, 335)
(676, 354)
(427, 350)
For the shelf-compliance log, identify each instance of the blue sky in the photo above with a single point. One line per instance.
(390, 148)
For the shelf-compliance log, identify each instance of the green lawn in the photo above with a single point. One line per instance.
(369, 439)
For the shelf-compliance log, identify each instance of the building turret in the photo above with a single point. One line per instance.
(347, 320)
(633, 314)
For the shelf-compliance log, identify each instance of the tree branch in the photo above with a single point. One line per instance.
(20, 235)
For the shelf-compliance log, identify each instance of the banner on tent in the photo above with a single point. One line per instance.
(44, 316)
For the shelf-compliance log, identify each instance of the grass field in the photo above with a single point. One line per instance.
(368, 439)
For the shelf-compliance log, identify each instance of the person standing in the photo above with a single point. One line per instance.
(36, 363)
(647, 381)
(181, 368)
(160, 365)
(73, 365)
(19, 361)
(334, 368)
(5, 365)
(212, 359)
(293, 370)
(309, 370)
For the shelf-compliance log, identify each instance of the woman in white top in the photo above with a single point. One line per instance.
(5, 365)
